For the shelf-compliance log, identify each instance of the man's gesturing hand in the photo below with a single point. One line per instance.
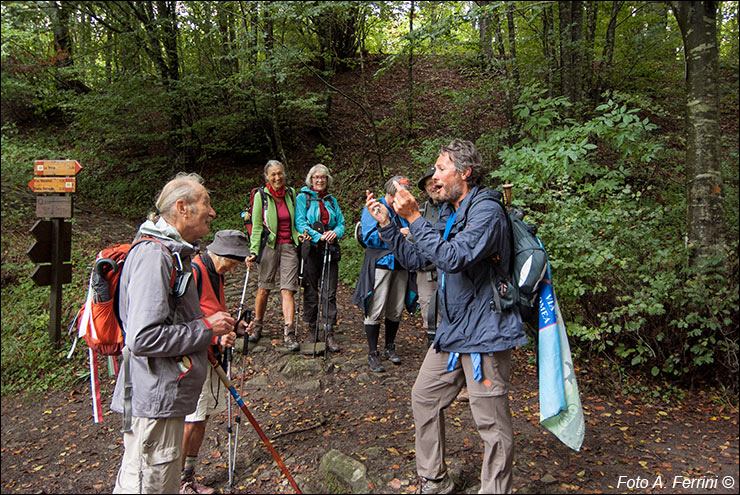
(404, 204)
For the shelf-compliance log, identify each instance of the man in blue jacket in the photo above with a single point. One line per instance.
(474, 341)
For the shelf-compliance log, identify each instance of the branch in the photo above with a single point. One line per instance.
(300, 430)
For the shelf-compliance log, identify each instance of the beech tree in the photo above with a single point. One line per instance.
(705, 223)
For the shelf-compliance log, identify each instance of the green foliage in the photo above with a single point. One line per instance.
(31, 363)
(614, 235)
(352, 256)
(20, 151)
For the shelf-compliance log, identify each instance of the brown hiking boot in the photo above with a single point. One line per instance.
(289, 338)
(463, 396)
(255, 330)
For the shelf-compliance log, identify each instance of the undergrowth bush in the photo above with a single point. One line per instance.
(612, 217)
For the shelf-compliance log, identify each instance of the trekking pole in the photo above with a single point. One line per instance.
(245, 349)
(251, 419)
(318, 312)
(228, 425)
(303, 239)
(326, 313)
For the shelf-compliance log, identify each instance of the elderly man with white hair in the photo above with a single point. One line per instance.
(166, 338)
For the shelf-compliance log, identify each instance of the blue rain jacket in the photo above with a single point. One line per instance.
(468, 323)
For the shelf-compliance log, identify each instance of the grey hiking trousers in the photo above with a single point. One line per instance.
(436, 388)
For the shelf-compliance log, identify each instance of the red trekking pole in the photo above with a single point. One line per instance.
(240, 402)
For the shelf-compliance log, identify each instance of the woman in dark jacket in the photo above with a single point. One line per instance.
(317, 213)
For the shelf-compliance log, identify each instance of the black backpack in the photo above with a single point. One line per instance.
(358, 234)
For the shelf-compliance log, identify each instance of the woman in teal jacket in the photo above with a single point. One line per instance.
(273, 245)
(317, 213)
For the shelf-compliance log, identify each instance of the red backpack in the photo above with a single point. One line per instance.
(98, 321)
(249, 211)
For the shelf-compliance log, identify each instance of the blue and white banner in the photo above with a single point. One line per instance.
(560, 404)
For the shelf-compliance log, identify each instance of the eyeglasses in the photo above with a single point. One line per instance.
(319, 177)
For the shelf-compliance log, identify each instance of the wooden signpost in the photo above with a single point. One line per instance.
(53, 182)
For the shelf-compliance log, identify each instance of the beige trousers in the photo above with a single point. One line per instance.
(152, 455)
(427, 288)
(436, 388)
(388, 296)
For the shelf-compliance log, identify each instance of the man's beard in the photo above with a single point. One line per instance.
(450, 193)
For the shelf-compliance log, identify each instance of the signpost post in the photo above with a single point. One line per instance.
(53, 246)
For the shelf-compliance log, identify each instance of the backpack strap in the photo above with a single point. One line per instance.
(198, 278)
(127, 390)
(496, 304)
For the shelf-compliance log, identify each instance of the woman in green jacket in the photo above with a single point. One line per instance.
(273, 246)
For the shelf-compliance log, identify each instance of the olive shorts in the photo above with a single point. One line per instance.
(280, 262)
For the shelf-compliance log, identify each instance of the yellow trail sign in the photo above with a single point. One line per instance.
(56, 167)
(53, 184)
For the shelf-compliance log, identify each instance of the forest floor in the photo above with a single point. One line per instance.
(309, 406)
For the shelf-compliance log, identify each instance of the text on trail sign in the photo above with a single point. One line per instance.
(53, 184)
(56, 167)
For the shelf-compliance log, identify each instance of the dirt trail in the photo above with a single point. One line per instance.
(310, 406)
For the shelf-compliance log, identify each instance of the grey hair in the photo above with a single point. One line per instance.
(319, 167)
(390, 189)
(183, 186)
(464, 156)
(276, 163)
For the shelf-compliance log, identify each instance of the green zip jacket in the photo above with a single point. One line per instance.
(265, 219)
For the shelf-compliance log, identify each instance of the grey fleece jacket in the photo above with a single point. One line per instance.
(161, 328)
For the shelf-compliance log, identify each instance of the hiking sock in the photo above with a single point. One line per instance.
(372, 332)
(391, 329)
(189, 470)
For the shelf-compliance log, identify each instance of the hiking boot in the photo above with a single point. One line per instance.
(373, 359)
(463, 395)
(189, 486)
(331, 344)
(390, 354)
(444, 485)
(289, 338)
(255, 330)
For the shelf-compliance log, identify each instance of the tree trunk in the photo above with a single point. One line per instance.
(571, 49)
(499, 35)
(277, 141)
(607, 53)
(410, 96)
(485, 38)
(706, 224)
(566, 58)
(512, 42)
(59, 15)
(549, 49)
(592, 10)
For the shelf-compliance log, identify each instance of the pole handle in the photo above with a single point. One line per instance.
(507, 193)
